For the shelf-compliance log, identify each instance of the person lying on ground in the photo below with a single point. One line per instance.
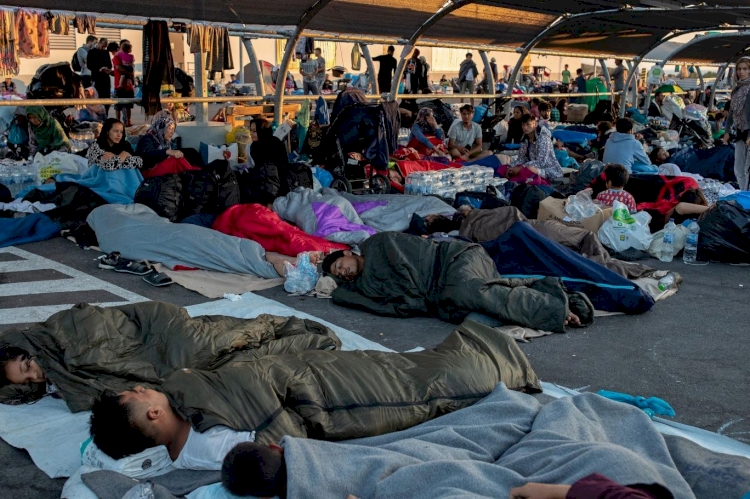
(46, 134)
(537, 153)
(465, 137)
(112, 151)
(331, 395)
(594, 486)
(403, 275)
(617, 177)
(658, 156)
(79, 353)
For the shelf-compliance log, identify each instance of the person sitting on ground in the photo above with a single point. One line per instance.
(9, 87)
(624, 149)
(92, 112)
(466, 137)
(603, 130)
(46, 134)
(156, 145)
(515, 128)
(402, 275)
(537, 154)
(265, 148)
(112, 151)
(555, 112)
(534, 107)
(329, 395)
(545, 114)
(654, 109)
(617, 177)
(426, 133)
(444, 81)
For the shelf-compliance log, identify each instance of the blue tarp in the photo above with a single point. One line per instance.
(115, 187)
(29, 229)
(717, 163)
(523, 252)
(573, 137)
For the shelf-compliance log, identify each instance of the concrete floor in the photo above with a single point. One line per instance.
(689, 350)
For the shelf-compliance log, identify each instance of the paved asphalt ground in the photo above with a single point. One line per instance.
(691, 350)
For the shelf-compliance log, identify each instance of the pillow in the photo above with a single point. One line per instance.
(210, 153)
(151, 462)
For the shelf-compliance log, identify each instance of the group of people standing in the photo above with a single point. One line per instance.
(101, 60)
(313, 72)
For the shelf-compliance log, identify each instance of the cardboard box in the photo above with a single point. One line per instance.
(554, 209)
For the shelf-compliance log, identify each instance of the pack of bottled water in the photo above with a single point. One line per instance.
(18, 175)
(446, 183)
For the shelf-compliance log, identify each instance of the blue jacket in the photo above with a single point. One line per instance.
(623, 149)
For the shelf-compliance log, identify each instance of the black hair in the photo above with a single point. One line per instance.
(535, 100)
(102, 140)
(654, 156)
(90, 38)
(526, 118)
(624, 125)
(469, 54)
(441, 223)
(7, 354)
(253, 469)
(330, 259)
(390, 49)
(694, 196)
(617, 174)
(466, 107)
(112, 428)
(543, 106)
(579, 71)
(523, 109)
(113, 47)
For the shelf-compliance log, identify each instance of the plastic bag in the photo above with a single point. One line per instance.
(581, 207)
(17, 135)
(140, 491)
(58, 162)
(322, 116)
(725, 233)
(657, 243)
(623, 231)
(301, 279)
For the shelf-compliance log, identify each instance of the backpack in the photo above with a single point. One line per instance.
(162, 194)
(75, 63)
(527, 198)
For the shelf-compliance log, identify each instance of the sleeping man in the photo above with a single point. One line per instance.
(403, 275)
(329, 395)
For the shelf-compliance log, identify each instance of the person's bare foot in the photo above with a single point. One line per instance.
(572, 320)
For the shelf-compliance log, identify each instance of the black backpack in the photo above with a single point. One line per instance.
(75, 63)
(527, 198)
(162, 194)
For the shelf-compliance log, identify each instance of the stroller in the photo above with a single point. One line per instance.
(357, 145)
(691, 122)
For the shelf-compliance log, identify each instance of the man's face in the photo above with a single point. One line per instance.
(346, 267)
(466, 116)
(529, 126)
(546, 114)
(140, 394)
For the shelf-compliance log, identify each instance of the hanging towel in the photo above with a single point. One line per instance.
(356, 58)
(9, 62)
(33, 35)
(85, 23)
(157, 63)
(219, 55)
(198, 37)
(59, 24)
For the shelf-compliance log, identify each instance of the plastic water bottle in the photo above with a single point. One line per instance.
(667, 250)
(690, 253)
(666, 282)
(141, 491)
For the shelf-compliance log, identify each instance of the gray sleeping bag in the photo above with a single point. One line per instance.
(138, 233)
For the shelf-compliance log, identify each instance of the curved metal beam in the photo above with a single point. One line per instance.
(488, 72)
(702, 82)
(703, 38)
(373, 80)
(437, 16)
(719, 75)
(288, 51)
(605, 74)
(255, 65)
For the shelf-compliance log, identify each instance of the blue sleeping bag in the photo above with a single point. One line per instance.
(716, 163)
(29, 229)
(571, 137)
(522, 252)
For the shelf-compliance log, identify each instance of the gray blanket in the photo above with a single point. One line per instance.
(504, 441)
(138, 233)
(395, 214)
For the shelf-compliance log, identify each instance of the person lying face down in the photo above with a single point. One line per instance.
(403, 275)
(327, 395)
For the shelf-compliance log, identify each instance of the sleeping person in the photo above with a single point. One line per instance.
(326, 395)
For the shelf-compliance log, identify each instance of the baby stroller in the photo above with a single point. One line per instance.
(691, 122)
(357, 145)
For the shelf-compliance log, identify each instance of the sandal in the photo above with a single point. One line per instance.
(159, 280)
(135, 268)
(109, 262)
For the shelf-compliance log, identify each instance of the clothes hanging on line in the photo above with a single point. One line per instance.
(59, 24)
(85, 22)
(157, 63)
(219, 55)
(198, 36)
(9, 61)
(33, 33)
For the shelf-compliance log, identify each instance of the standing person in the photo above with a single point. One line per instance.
(739, 116)
(581, 84)
(618, 75)
(413, 73)
(654, 109)
(100, 65)
(308, 68)
(566, 77)
(467, 73)
(320, 78)
(424, 78)
(82, 55)
(124, 66)
(388, 65)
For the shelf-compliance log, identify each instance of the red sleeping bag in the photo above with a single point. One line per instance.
(168, 167)
(265, 227)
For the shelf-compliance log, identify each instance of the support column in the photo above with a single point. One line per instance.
(628, 82)
(373, 82)
(399, 71)
(260, 87)
(719, 76)
(702, 83)
(633, 89)
(201, 87)
(488, 71)
(605, 74)
(241, 72)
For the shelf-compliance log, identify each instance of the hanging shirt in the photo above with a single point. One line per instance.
(207, 450)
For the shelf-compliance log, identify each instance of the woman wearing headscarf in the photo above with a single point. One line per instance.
(426, 134)
(92, 112)
(45, 132)
(265, 148)
(739, 116)
(112, 151)
(155, 146)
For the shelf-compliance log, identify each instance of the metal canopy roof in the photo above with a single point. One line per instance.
(713, 49)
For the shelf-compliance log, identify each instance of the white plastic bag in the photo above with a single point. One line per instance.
(300, 279)
(623, 231)
(657, 244)
(58, 162)
(151, 462)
